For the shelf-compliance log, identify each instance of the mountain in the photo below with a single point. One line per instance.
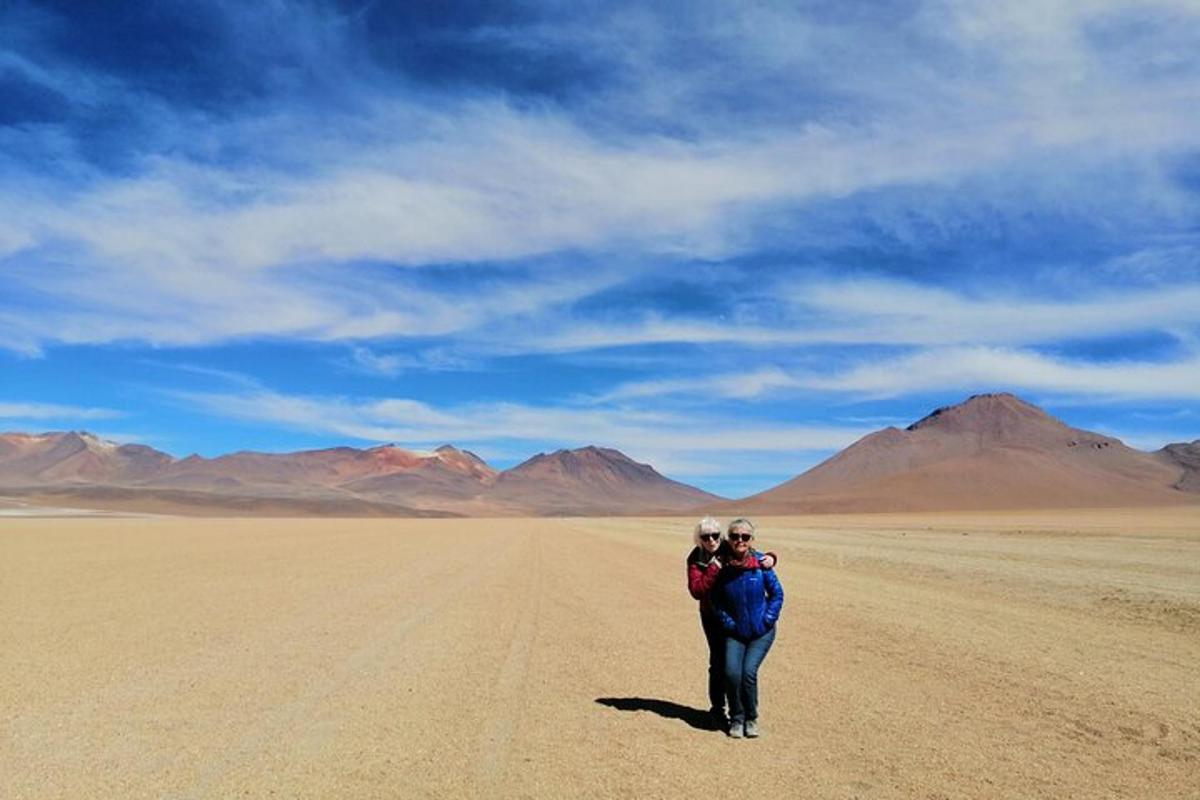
(343, 467)
(1186, 456)
(448, 477)
(74, 457)
(591, 480)
(993, 451)
(57, 467)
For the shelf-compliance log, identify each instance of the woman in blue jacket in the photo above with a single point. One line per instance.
(748, 599)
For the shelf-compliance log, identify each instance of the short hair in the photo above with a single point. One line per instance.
(707, 525)
(742, 522)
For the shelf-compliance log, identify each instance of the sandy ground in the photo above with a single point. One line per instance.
(927, 656)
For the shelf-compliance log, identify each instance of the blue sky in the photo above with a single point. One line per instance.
(727, 239)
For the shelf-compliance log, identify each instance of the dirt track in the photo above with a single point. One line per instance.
(934, 656)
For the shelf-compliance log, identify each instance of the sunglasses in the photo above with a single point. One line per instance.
(709, 537)
(740, 537)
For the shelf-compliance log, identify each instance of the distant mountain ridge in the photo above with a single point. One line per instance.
(592, 479)
(384, 479)
(991, 451)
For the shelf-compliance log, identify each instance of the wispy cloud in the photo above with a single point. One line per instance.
(414, 179)
(891, 313)
(966, 369)
(971, 368)
(371, 362)
(53, 411)
(409, 421)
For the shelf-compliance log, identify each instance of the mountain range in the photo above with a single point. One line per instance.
(993, 451)
(79, 468)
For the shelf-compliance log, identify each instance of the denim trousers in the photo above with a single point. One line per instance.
(742, 659)
(715, 635)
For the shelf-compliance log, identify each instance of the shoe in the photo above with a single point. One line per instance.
(751, 729)
(736, 730)
(717, 719)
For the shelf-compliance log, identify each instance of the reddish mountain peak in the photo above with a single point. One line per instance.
(580, 459)
(63, 456)
(987, 413)
(595, 478)
(990, 451)
(464, 461)
(594, 453)
(393, 457)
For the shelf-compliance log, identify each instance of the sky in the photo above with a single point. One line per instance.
(727, 239)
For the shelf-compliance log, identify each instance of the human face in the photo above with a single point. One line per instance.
(710, 541)
(739, 540)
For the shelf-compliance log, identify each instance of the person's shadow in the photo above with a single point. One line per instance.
(695, 717)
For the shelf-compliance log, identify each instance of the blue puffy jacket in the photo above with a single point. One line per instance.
(748, 600)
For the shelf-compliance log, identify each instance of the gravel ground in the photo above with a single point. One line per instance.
(1047, 654)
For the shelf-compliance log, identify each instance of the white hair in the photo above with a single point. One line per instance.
(742, 523)
(706, 525)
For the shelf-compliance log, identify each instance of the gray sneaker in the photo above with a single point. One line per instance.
(751, 728)
(735, 730)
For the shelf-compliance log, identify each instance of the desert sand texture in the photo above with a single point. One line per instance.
(1045, 654)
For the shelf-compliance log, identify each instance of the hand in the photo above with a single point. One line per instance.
(716, 560)
(768, 561)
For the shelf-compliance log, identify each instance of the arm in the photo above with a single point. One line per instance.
(723, 616)
(727, 622)
(774, 596)
(701, 580)
(766, 560)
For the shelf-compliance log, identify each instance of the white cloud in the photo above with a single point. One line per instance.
(972, 368)
(635, 431)
(737, 385)
(966, 369)
(415, 183)
(895, 312)
(52, 411)
(387, 364)
(889, 313)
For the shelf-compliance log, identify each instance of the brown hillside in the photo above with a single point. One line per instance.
(74, 457)
(993, 451)
(1187, 457)
(590, 480)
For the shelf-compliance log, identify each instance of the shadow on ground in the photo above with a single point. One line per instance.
(695, 717)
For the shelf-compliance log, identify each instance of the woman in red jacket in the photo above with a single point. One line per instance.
(703, 565)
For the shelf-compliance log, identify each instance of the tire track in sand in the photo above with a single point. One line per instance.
(270, 727)
(494, 742)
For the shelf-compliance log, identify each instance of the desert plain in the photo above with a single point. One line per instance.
(938, 655)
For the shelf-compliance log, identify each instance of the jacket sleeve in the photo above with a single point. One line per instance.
(770, 553)
(774, 596)
(701, 580)
(727, 622)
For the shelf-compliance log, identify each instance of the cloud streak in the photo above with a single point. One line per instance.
(641, 433)
(54, 411)
(947, 369)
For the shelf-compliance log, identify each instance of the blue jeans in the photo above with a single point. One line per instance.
(742, 659)
(715, 635)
